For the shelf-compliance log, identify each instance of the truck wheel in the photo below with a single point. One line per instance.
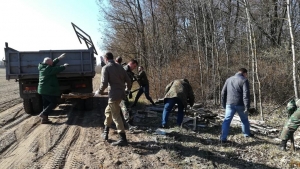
(88, 104)
(27, 106)
(80, 104)
(37, 104)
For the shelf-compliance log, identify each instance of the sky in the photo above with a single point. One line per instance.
(32, 25)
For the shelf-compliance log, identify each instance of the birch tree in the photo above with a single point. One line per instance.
(293, 49)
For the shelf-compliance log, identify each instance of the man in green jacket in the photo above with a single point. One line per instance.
(48, 86)
(178, 92)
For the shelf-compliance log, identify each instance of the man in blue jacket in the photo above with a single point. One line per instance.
(236, 98)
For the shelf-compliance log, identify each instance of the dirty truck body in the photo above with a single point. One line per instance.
(22, 66)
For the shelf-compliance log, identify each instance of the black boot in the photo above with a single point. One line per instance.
(122, 141)
(104, 135)
(282, 145)
(152, 102)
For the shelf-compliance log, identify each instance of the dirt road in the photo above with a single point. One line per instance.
(73, 141)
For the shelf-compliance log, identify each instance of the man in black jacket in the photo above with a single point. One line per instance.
(236, 98)
(144, 86)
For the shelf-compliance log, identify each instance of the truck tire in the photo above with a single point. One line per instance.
(27, 106)
(88, 104)
(37, 104)
(80, 104)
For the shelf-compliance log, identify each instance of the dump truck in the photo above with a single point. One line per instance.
(22, 66)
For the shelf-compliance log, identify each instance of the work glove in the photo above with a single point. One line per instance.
(246, 112)
(61, 56)
(66, 64)
(97, 93)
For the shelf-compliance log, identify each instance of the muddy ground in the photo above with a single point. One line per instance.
(73, 141)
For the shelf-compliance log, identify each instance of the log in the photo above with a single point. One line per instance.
(77, 95)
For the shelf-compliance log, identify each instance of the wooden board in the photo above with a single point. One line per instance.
(77, 95)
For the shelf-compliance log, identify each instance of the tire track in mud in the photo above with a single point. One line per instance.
(9, 139)
(74, 158)
(67, 148)
(60, 152)
(9, 92)
(9, 103)
(10, 115)
(32, 143)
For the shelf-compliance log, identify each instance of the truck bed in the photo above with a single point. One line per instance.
(24, 64)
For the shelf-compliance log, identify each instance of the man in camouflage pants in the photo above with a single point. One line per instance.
(290, 127)
(127, 114)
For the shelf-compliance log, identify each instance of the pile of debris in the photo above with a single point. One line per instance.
(194, 117)
(198, 117)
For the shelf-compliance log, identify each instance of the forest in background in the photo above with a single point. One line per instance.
(207, 42)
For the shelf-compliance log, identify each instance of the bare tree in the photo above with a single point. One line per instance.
(293, 49)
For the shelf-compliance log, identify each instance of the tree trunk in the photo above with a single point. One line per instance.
(252, 51)
(293, 49)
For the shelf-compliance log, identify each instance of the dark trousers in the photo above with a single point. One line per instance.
(169, 104)
(49, 103)
(145, 90)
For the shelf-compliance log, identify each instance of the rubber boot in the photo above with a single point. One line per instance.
(104, 135)
(122, 141)
(44, 119)
(282, 145)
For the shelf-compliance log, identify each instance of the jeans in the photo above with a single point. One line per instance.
(143, 89)
(229, 113)
(49, 103)
(169, 104)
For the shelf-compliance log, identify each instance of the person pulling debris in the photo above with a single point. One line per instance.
(235, 97)
(114, 75)
(178, 92)
(127, 113)
(48, 86)
(291, 125)
(144, 86)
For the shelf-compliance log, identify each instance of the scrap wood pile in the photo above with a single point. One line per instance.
(194, 118)
(197, 116)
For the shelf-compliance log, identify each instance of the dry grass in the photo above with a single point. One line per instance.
(202, 148)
